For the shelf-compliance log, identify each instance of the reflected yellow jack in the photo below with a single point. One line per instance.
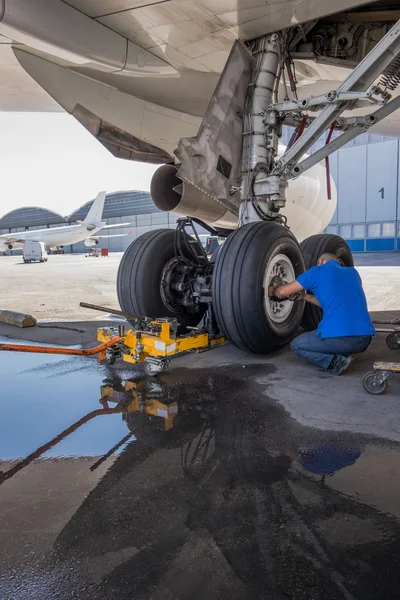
(136, 401)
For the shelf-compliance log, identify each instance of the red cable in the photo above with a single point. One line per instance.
(301, 128)
(327, 166)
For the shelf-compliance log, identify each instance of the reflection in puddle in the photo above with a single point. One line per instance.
(204, 488)
(41, 395)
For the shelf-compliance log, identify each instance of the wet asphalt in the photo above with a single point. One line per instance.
(235, 500)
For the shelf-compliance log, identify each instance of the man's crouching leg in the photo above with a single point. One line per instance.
(317, 350)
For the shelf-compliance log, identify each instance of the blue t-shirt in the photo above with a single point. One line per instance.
(341, 296)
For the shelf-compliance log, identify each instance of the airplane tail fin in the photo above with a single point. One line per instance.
(95, 213)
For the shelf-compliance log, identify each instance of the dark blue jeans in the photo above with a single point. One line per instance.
(321, 351)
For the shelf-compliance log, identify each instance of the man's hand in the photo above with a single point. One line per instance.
(284, 291)
(272, 291)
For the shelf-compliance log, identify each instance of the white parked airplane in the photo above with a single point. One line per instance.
(203, 87)
(57, 237)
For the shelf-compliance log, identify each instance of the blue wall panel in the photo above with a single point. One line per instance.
(380, 245)
(356, 245)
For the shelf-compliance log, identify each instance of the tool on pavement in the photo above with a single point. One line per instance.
(101, 350)
(375, 382)
(393, 339)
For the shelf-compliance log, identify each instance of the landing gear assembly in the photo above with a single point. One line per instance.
(232, 176)
(170, 275)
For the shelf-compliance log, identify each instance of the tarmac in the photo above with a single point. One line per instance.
(54, 289)
(276, 480)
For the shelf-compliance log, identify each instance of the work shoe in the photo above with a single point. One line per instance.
(339, 364)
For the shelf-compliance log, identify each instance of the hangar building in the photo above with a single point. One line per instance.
(366, 173)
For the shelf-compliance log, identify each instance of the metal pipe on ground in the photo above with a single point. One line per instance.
(9, 317)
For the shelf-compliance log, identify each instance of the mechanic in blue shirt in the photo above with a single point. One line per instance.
(346, 327)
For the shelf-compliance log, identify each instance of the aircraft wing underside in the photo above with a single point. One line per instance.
(105, 237)
(139, 75)
(10, 239)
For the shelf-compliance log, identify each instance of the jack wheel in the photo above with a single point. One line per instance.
(249, 261)
(140, 274)
(110, 357)
(393, 340)
(312, 248)
(373, 386)
(152, 369)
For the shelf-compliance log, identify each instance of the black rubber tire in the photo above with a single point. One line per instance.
(312, 248)
(391, 340)
(214, 255)
(237, 289)
(375, 390)
(139, 275)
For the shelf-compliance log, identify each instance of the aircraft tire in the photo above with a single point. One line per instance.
(312, 248)
(139, 277)
(245, 266)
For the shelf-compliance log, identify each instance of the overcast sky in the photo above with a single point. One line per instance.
(50, 160)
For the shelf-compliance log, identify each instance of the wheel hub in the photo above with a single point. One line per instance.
(185, 287)
(173, 285)
(279, 271)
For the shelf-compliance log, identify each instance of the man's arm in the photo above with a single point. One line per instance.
(284, 291)
(312, 299)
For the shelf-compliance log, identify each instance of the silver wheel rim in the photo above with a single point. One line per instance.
(281, 266)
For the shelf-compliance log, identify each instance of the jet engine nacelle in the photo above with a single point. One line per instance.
(308, 209)
(171, 194)
(5, 247)
(90, 243)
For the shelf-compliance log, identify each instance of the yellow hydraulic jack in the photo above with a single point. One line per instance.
(153, 342)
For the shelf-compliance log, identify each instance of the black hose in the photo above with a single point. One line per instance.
(62, 327)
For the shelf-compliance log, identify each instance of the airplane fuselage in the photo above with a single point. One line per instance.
(57, 236)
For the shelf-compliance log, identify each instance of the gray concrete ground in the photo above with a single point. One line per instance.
(381, 279)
